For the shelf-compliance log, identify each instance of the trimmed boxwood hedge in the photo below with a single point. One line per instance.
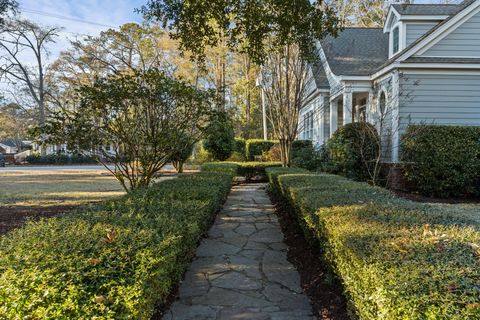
(397, 259)
(442, 160)
(248, 170)
(117, 260)
(255, 147)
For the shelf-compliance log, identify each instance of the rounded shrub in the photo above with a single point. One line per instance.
(220, 136)
(354, 150)
(442, 160)
(304, 155)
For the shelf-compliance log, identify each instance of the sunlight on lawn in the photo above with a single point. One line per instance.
(50, 188)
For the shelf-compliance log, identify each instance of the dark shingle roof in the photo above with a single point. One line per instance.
(427, 9)
(320, 76)
(13, 143)
(356, 51)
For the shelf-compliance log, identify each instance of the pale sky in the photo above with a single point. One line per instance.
(98, 15)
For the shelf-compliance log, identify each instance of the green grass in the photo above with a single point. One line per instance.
(53, 188)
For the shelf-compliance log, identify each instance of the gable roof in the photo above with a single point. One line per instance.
(460, 7)
(426, 9)
(356, 51)
(320, 76)
(13, 143)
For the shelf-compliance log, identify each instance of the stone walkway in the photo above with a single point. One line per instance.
(241, 270)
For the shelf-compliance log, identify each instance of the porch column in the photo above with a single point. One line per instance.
(395, 106)
(347, 106)
(333, 116)
(371, 107)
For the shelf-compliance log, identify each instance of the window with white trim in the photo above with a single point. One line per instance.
(308, 126)
(395, 40)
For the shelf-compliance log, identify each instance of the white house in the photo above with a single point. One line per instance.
(423, 66)
(12, 146)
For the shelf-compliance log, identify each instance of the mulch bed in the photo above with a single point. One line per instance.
(15, 217)
(324, 290)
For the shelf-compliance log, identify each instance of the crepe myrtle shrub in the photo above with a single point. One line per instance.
(143, 115)
(442, 161)
(219, 137)
(353, 151)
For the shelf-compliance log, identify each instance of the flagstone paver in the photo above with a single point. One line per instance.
(241, 270)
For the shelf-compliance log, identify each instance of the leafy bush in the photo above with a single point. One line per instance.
(200, 155)
(220, 136)
(59, 159)
(304, 155)
(182, 151)
(240, 147)
(249, 170)
(273, 155)
(255, 147)
(353, 150)
(397, 259)
(117, 260)
(442, 160)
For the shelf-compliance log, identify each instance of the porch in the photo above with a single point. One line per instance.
(351, 105)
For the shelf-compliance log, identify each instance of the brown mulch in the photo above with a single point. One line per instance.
(324, 290)
(421, 198)
(15, 217)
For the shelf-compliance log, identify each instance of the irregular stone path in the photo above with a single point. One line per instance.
(241, 270)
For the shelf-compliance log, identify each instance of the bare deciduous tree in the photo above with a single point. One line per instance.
(284, 77)
(23, 52)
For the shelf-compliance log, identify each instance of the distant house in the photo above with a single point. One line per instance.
(13, 146)
(422, 66)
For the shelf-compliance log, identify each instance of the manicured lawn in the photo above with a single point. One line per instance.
(47, 193)
(53, 188)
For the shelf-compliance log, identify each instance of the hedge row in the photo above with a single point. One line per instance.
(245, 169)
(117, 260)
(256, 147)
(442, 160)
(60, 159)
(397, 259)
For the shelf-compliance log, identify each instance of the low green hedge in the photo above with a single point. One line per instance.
(117, 260)
(397, 259)
(442, 160)
(248, 170)
(60, 159)
(256, 147)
